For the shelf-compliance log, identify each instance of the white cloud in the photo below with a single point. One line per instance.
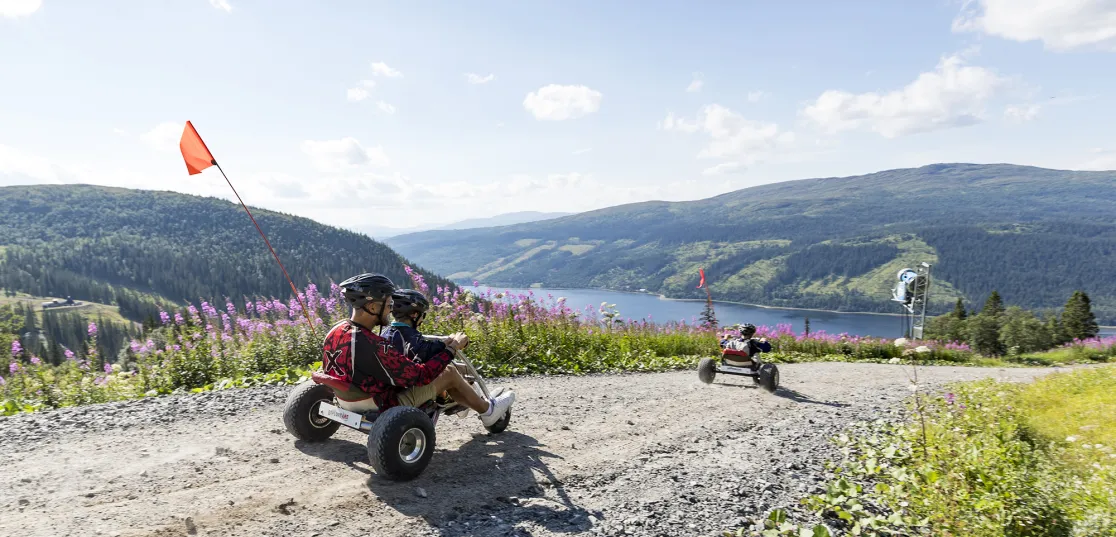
(223, 5)
(953, 95)
(1021, 114)
(583, 151)
(344, 153)
(385, 107)
(695, 84)
(722, 168)
(557, 103)
(164, 137)
(1104, 160)
(119, 132)
(13, 9)
(474, 78)
(382, 69)
(20, 167)
(756, 96)
(730, 134)
(673, 123)
(360, 92)
(1060, 24)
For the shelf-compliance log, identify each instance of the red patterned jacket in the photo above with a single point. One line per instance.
(354, 354)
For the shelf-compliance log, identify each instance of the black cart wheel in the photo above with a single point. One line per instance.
(769, 377)
(401, 443)
(301, 417)
(707, 370)
(500, 424)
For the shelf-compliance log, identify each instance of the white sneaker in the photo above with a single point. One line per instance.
(500, 405)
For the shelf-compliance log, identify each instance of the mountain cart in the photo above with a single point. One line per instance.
(400, 439)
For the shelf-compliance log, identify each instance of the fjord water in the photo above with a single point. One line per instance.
(641, 305)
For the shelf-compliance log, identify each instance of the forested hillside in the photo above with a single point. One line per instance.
(1034, 234)
(138, 249)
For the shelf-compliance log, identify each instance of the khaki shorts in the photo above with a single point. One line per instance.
(418, 395)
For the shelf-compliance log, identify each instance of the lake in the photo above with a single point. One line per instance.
(640, 305)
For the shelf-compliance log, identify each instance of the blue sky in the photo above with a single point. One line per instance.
(363, 114)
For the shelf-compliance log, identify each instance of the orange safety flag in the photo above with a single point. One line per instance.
(702, 272)
(194, 151)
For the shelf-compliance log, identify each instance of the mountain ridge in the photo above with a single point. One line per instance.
(140, 249)
(806, 242)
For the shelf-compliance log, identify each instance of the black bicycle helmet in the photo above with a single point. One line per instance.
(368, 287)
(408, 301)
(748, 330)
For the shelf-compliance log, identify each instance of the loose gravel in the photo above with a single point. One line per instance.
(635, 454)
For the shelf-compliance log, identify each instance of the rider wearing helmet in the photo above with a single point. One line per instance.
(408, 308)
(747, 331)
(352, 352)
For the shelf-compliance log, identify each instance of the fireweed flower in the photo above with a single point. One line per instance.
(108, 367)
(92, 331)
(35, 360)
(13, 367)
(178, 318)
(69, 354)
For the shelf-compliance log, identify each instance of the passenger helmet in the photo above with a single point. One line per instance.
(408, 301)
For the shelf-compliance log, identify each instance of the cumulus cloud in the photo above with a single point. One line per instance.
(953, 95)
(382, 69)
(730, 134)
(13, 9)
(223, 5)
(344, 153)
(558, 103)
(722, 168)
(474, 78)
(385, 107)
(756, 96)
(1021, 114)
(1059, 24)
(164, 137)
(361, 91)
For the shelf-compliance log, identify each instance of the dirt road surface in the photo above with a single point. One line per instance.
(637, 454)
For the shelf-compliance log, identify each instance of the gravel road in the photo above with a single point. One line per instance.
(637, 454)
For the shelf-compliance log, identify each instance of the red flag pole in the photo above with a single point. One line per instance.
(294, 289)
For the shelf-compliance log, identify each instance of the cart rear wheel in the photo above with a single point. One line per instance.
(300, 415)
(707, 370)
(769, 377)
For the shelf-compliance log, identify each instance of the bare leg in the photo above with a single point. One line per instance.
(451, 380)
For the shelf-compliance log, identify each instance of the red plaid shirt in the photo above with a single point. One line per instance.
(354, 354)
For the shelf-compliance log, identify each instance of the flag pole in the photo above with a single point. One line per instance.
(294, 289)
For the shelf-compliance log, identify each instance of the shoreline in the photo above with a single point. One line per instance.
(664, 297)
(761, 306)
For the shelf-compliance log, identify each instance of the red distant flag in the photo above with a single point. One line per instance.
(194, 151)
(702, 272)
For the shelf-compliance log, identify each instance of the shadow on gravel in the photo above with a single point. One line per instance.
(800, 397)
(485, 487)
(338, 450)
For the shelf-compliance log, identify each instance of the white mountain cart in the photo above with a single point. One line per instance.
(740, 357)
(400, 439)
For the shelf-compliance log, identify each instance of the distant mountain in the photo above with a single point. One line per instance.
(138, 248)
(472, 223)
(1033, 234)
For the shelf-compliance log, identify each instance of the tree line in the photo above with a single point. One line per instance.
(998, 331)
